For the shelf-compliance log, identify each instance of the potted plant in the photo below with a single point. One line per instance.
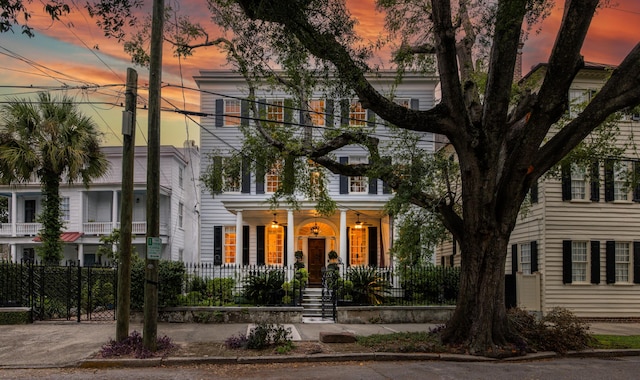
(298, 264)
(333, 256)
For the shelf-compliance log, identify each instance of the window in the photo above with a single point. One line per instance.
(358, 184)
(525, 258)
(357, 114)
(65, 211)
(622, 262)
(578, 182)
(620, 176)
(180, 214)
(232, 112)
(181, 177)
(318, 109)
(358, 241)
(579, 261)
(578, 99)
(273, 179)
(230, 245)
(275, 245)
(403, 102)
(275, 110)
(231, 175)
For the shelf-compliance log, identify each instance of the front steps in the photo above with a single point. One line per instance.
(312, 307)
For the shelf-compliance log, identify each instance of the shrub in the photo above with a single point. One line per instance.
(369, 288)
(132, 345)
(264, 288)
(236, 342)
(266, 334)
(170, 283)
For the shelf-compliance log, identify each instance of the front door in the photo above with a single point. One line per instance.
(316, 261)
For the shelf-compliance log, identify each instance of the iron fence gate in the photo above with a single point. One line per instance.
(59, 292)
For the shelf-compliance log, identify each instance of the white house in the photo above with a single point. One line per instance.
(91, 213)
(578, 243)
(239, 227)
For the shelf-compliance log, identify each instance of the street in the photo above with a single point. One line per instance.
(570, 368)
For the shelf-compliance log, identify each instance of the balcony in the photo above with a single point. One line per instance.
(105, 228)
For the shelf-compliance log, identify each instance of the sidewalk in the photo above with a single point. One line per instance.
(63, 344)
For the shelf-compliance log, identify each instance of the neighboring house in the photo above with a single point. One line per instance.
(239, 227)
(91, 213)
(578, 243)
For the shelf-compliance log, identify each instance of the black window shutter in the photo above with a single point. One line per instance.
(246, 175)
(595, 181)
(348, 263)
(288, 182)
(566, 182)
(244, 112)
(219, 112)
(514, 259)
(217, 175)
(373, 246)
(301, 117)
(260, 245)
(636, 181)
(260, 172)
(415, 104)
(329, 113)
(636, 262)
(451, 261)
(245, 245)
(608, 180)
(611, 262)
(534, 256)
(344, 180)
(595, 262)
(386, 189)
(217, 245)
(567, 267)
(533, 192)
(442, 262)
(344, 112)
(454, 247)
(371, 118)
(288, 111)
(373, 185)
(284, 246)
(262, 109)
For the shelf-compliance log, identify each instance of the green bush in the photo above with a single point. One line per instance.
(170, 283)
(369, 287)
(430, 285)
(264, 288)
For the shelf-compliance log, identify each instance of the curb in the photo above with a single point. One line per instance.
(316, 358)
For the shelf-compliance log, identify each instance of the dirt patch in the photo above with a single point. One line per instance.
(218, 349)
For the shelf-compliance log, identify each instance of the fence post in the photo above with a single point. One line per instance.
(79, 292)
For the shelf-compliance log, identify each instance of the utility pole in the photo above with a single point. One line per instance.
(150, 330)
(126, 205)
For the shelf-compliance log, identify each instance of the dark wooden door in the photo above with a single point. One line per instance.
(316, 261)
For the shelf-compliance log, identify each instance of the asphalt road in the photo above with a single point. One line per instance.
(566, 369)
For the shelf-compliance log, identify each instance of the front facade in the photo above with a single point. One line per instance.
(577, 244)
(239, 227)
(94, 212)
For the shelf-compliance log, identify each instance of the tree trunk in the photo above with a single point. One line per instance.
(51, 248)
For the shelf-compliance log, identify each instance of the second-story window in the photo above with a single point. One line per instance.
(65, 210)
(620, 176)
(318, 109)
(273, 178)
(275, 110)
(578, 182)
(357, 114)
(181, 177)
(358, 184)
(180, 214)
(232, 112)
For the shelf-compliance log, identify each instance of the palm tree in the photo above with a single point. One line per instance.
(51, 139)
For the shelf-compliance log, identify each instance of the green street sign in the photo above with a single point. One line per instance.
(154, 248)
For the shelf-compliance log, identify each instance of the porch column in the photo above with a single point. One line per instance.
(114, 210)
(239, 238)
(343, 237)
(290, 238)
(81, 254)
(14, 254)
(82, 210)
(14, 214)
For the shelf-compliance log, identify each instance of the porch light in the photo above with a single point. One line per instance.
(274, 223)
(358, 223)
(315, 229)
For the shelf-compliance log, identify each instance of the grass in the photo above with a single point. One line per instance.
(617, 341)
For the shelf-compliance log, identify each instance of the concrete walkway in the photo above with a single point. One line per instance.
(61, 344)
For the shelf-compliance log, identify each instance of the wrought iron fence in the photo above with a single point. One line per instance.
(59, 292)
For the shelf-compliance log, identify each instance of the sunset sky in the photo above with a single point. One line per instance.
(62, 56)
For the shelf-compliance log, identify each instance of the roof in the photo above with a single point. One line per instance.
(67, 237)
